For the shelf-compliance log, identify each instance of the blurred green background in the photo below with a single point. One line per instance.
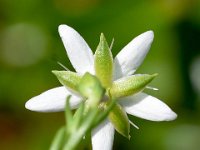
(30, 48)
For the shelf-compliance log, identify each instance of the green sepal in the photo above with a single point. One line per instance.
(68, 78)
(130, 85)
(91, 88)
(103, 62)
(120, 121)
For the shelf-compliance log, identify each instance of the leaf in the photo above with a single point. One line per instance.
(68, 116)
(58, 140)
(103, 62)
(120, 120)
(130, 85)
(78, 116)
(68, 78)
(85, 126)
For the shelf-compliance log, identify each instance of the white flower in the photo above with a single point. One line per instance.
(125, 64)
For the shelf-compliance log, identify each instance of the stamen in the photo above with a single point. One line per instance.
(111, 45)
(152, 88)
(59, 63)
(134, 125)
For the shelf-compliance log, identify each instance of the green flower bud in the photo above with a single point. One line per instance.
(91, 88)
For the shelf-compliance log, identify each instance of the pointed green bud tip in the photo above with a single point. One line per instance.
(68, 78)
(102, 37)
(54, 71)
(154, 75)
(90, 87)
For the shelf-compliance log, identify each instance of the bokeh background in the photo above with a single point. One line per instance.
(30, 48)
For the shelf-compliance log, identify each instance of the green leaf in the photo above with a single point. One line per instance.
(103, 62)
(68, 78)
(120, 120)
(130, 85)
(86, 125)
(58, 139)
(91, 88)
(78, 116)
(68, 116)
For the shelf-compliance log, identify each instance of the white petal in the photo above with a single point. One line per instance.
(103, 136)
(147, 107)
(132, 55)
(78, 51)
(52, 100)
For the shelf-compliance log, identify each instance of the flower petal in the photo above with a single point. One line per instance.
(103, 136)
(52, 100)
(132, 55)
(147, 107)
(78, 51)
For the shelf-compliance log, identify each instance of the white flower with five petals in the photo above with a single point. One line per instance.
(125, 64)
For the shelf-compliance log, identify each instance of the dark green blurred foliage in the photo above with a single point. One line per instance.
(189, 35)
(30, 48)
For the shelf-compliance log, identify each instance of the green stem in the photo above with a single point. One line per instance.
(75, 139)
(58, 140)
